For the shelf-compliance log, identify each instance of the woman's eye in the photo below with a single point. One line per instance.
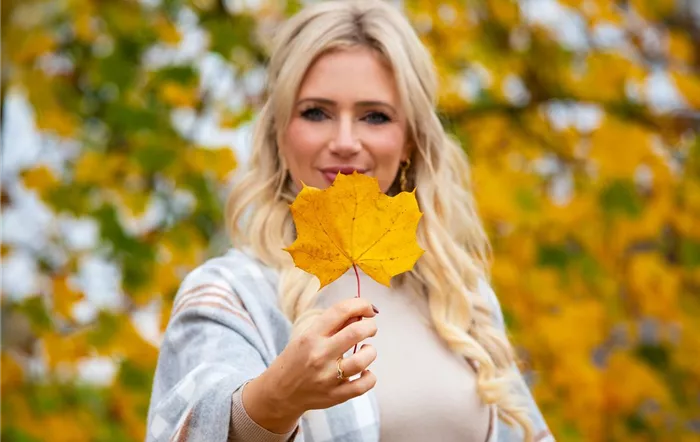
(376, 118)
(313, 114)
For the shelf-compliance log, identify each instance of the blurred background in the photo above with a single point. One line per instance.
(124, 123)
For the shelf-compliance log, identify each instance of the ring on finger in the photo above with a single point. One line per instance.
(340, 375)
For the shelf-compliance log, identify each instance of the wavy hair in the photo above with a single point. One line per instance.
(457, 248)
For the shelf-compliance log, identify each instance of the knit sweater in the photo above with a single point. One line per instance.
(225, 329)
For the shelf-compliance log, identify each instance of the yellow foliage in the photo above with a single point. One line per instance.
(354, 223)
(165, 310)
(689, 87)
(89, 169)
(179, 251)
(61, 426)
(582, 208)
(583, 396)
(654, 286)
(572, 3)
(135, 201)
(229, 119)
(183, 246)
(629, 383)
(680, 47)
(656, 214)
(31, 46)
(653, 9)
(488, 135)
(68, 426)
(689, 346)
(219, 162)
(545, 287)
(619, 148)
(507, 272)
(125, 404)
(40, 178)
(167, 31)
(129, 343)
(12, 373)
(83, 26)
(175, 94)
(44, 92)
(604, 11)
(604, 77)
(64, 297)
(57, 120)
(580, 327)
(505, 11)
(573, 274)
(686, 213)
(97, 169)
(64, 350)
(449, 96)
(494, 193)
(686, 223)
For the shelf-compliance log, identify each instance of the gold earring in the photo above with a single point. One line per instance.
(402, 179)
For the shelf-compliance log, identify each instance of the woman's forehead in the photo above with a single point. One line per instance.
(355, 74)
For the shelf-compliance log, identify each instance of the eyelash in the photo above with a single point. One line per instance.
(313, 114)
(317, 114)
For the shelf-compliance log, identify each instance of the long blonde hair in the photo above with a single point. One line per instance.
(450, 231)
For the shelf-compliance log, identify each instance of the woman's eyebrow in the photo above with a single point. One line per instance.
(376, 103)
(327, 102)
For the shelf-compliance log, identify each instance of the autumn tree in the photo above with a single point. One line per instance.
(579, 120)
(113, 86)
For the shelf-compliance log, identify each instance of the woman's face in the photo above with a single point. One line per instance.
(347, 117)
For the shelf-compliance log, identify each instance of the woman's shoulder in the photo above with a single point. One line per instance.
(486, 291)
(227, 300)
(233, 263)
(235, 276)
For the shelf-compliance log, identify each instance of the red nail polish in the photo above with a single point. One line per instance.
(374, 307)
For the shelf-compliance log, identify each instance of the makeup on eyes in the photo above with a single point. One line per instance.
(316, 113)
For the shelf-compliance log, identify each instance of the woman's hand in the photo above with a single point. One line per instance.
(304, 375)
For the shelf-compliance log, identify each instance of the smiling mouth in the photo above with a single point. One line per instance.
(331, 172)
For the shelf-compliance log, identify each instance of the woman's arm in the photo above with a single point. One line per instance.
(210, 349)
(506, 433)
(244, 428)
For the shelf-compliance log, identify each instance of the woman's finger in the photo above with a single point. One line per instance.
(336, 316)
(351, 335)
(358, 362)
(350, 321)
(358, 387)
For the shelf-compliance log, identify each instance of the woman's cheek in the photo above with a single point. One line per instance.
(306, 137)
(387, 149)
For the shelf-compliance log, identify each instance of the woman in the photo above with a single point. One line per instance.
(254, 352)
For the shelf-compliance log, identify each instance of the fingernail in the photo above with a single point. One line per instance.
(374, 307)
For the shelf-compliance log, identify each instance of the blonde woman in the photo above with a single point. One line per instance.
(254, 352)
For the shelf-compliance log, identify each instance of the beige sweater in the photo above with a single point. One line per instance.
(425, 392)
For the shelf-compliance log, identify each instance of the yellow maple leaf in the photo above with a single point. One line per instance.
(353, 223)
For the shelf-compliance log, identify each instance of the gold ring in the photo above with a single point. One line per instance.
(341, 375)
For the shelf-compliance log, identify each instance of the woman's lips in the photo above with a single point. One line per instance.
(331, 173)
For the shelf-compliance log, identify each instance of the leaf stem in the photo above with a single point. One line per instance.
(357, 277)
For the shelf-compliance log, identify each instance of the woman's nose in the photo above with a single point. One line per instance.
(345, 143)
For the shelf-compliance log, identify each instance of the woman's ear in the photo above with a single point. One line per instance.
(407, 150)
